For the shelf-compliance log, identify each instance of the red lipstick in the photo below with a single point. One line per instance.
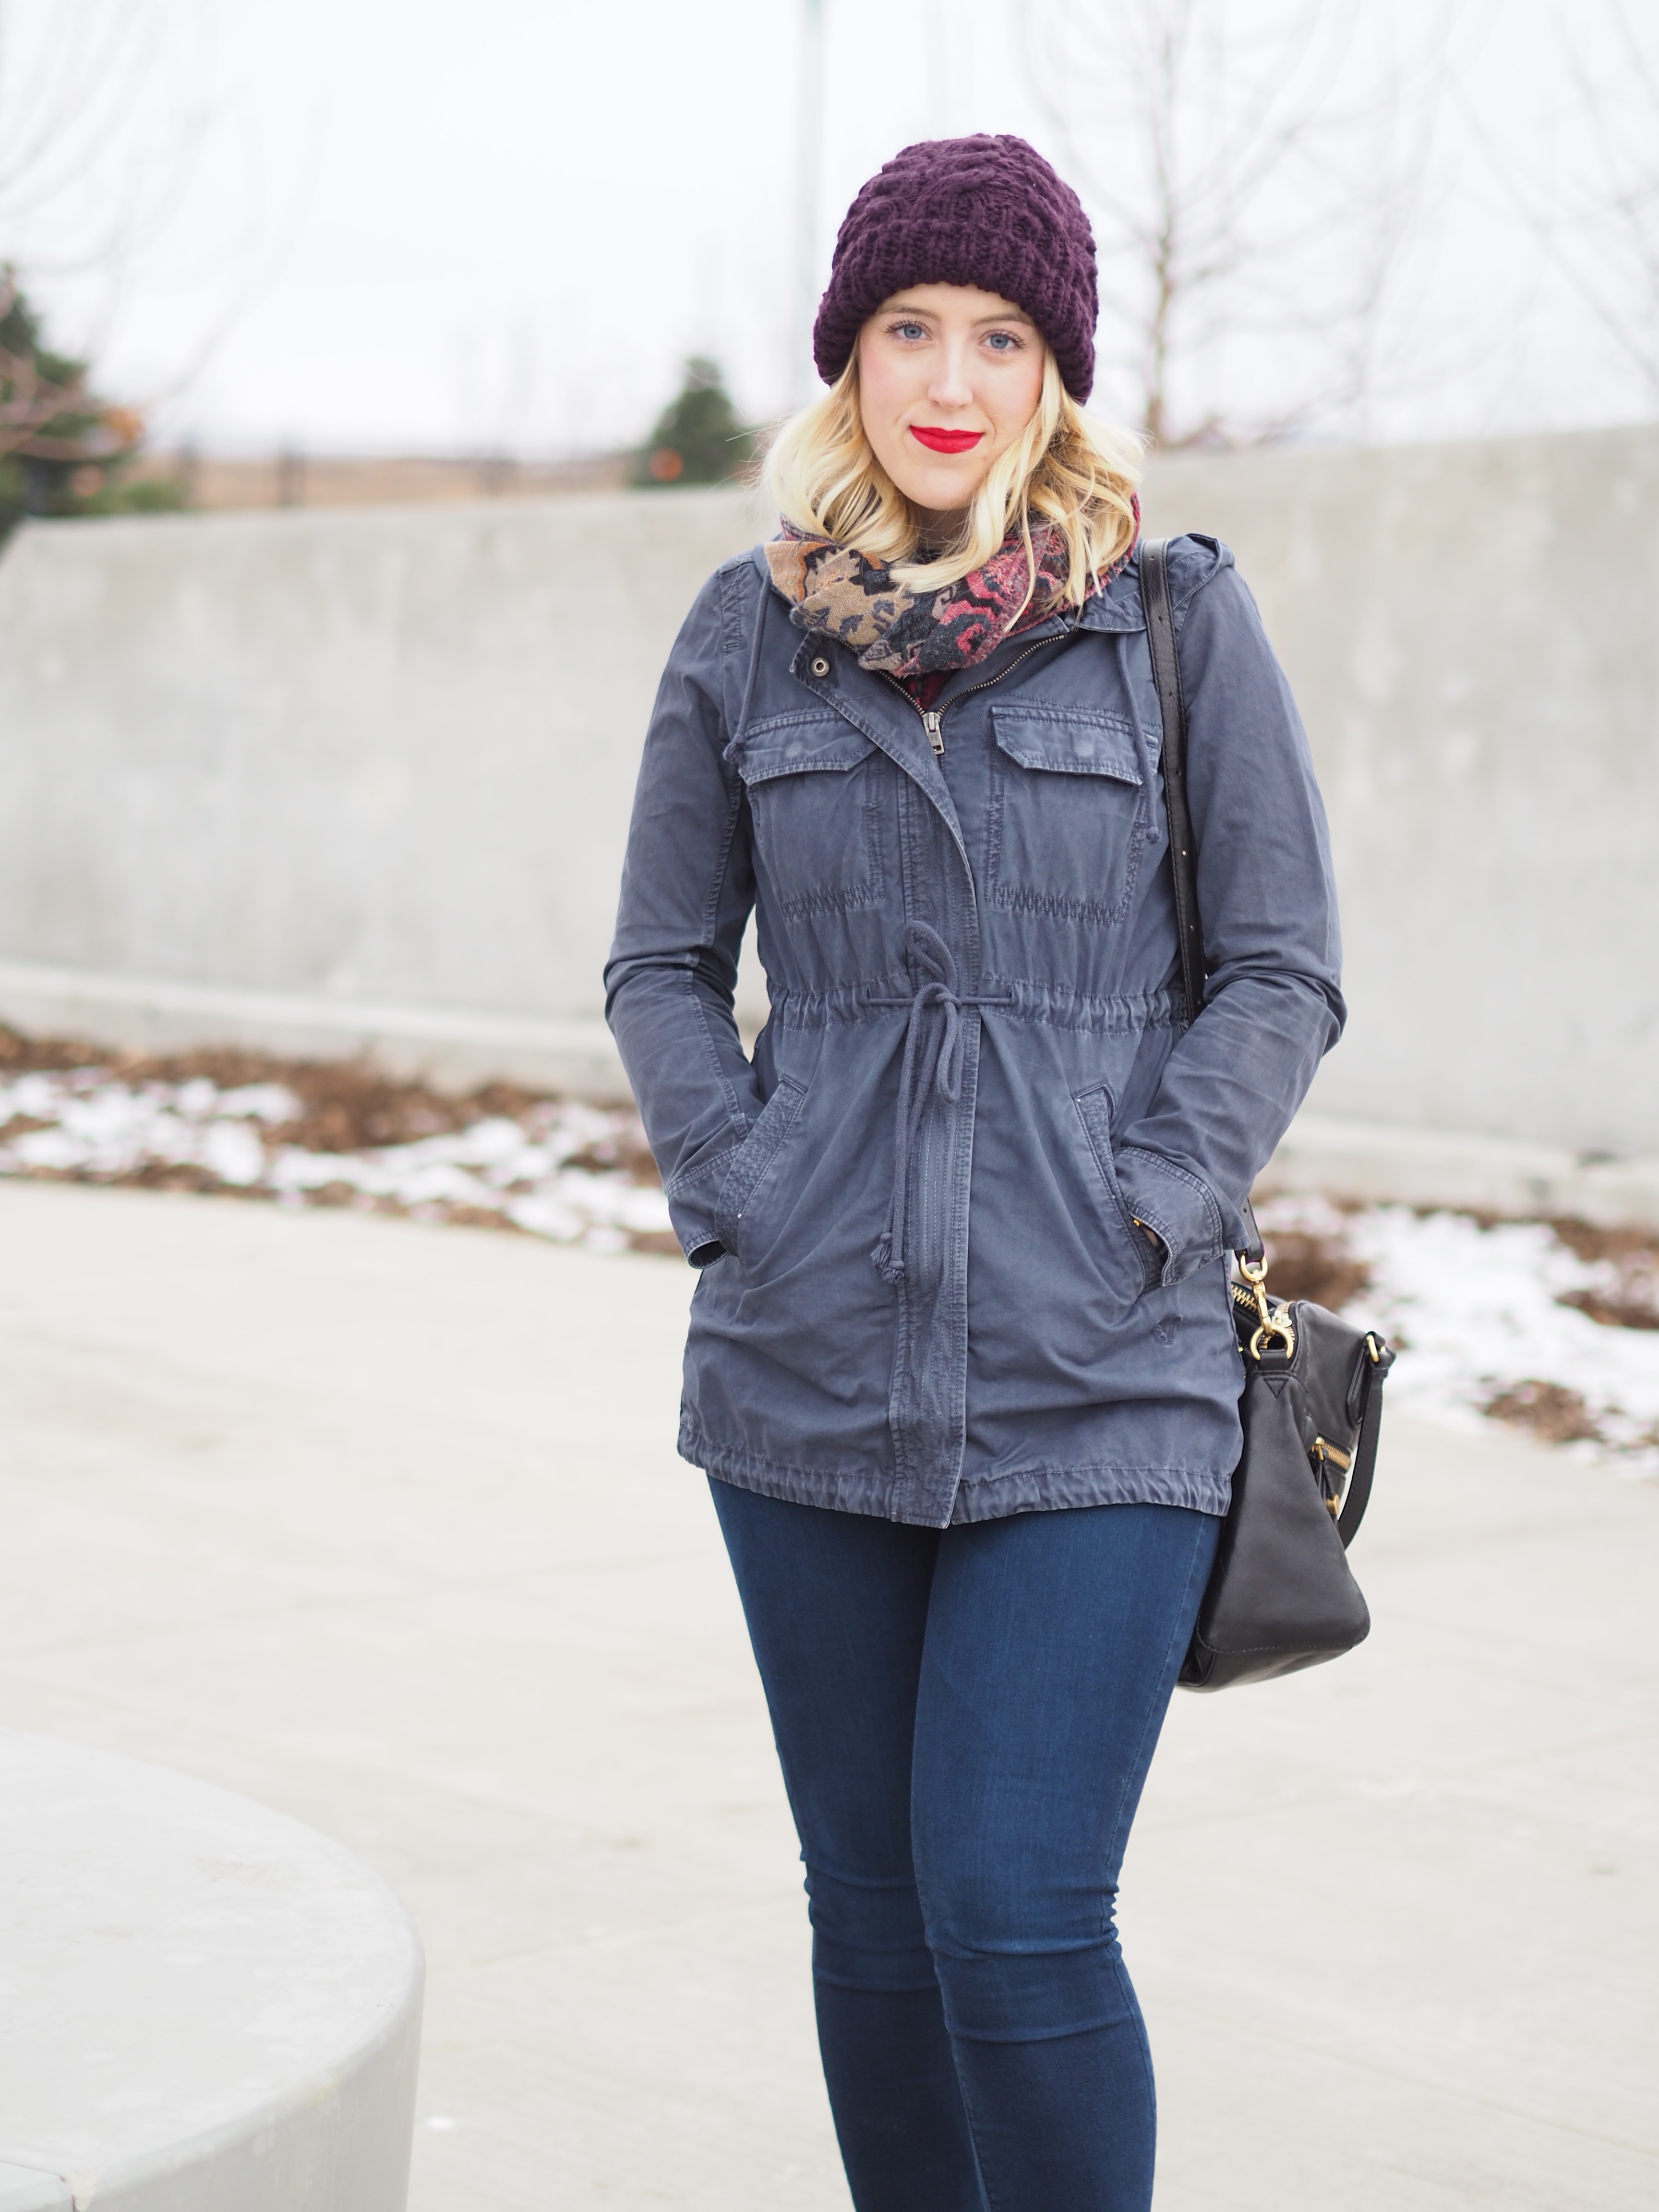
(946, 441)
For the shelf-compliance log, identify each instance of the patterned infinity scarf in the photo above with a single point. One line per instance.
(839, 593)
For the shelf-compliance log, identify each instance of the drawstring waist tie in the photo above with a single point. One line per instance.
(932, 1061)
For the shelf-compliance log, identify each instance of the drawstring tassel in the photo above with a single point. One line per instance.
(934, 1053)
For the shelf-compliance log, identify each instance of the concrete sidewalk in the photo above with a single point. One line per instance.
(382, 1524)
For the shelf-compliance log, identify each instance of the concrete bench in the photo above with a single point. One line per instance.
(204, 2005)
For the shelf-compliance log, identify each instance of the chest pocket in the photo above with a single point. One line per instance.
(1067, 819)
(815, 789)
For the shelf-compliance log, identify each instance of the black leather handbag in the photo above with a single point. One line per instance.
(1280, 1595)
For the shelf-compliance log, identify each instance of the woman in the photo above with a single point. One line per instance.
(961, 1365)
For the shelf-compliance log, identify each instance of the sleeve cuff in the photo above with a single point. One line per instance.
(693, 1206)
(1178, 1205)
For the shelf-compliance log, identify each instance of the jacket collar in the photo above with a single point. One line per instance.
(1118, 607)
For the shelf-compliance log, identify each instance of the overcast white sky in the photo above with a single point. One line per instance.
(403, 224)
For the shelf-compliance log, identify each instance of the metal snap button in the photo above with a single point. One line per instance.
(820, 666)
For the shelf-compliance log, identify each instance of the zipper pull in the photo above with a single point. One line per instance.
(935, 735)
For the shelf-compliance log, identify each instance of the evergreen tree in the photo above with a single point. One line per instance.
(698, 439)
(62, 450)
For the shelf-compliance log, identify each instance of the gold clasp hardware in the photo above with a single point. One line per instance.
(1254, 1272)
(1342, 1461)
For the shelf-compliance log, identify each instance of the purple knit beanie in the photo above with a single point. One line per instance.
(984, 211)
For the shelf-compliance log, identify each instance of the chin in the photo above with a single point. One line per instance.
(940, 490)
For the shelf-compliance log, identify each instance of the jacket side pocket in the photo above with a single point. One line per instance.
(754, 1157)
(1094, 1108)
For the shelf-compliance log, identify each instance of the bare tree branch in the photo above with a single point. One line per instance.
(1245, 189)
(107, 111)
(68, 107)
(1598, 227)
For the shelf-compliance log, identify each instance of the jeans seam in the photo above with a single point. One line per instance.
(1118, 1841)
(1144, 2041)
(991, 2201)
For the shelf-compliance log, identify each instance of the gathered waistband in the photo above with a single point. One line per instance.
(1014, 997)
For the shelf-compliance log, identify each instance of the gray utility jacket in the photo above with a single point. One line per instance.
(923, 1294)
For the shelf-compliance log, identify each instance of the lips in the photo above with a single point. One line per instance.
(946, 441)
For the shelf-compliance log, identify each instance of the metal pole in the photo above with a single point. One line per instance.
(809, 154)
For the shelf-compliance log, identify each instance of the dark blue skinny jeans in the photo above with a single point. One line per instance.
(965, 1718)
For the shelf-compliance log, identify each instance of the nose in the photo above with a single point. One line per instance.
(951, 385)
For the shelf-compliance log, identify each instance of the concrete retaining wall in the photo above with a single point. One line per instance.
(1471, 632)
(326, 779)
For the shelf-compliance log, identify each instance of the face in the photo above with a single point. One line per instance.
(948, 379)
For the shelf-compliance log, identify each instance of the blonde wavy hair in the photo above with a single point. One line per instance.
(1066, 470)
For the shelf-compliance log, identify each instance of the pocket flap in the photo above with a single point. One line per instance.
(788, 747)
(1068, 740)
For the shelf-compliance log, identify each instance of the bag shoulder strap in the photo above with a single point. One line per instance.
(1166, 673)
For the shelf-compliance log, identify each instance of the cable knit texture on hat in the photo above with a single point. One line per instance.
(985, 211)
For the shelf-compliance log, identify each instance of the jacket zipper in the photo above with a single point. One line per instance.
(933, 717)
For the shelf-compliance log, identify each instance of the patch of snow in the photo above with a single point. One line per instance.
(99, 1129)
(1479, 1311)
(1475, 1312)
(258, 1101)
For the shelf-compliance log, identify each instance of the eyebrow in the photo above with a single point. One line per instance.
(901, 307)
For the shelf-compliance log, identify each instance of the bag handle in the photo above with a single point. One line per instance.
(1379, 1357)
(1172, 707)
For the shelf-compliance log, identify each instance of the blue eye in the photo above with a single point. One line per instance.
(909, 330)
(1004, 341)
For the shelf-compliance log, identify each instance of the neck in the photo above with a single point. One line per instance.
(937, 529)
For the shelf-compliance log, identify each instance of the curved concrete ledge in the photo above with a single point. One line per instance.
(1380, 1161)
(204, 2005)
(453, 1049)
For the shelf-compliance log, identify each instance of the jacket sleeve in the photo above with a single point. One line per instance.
(687, 889)
(1272, 1002)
